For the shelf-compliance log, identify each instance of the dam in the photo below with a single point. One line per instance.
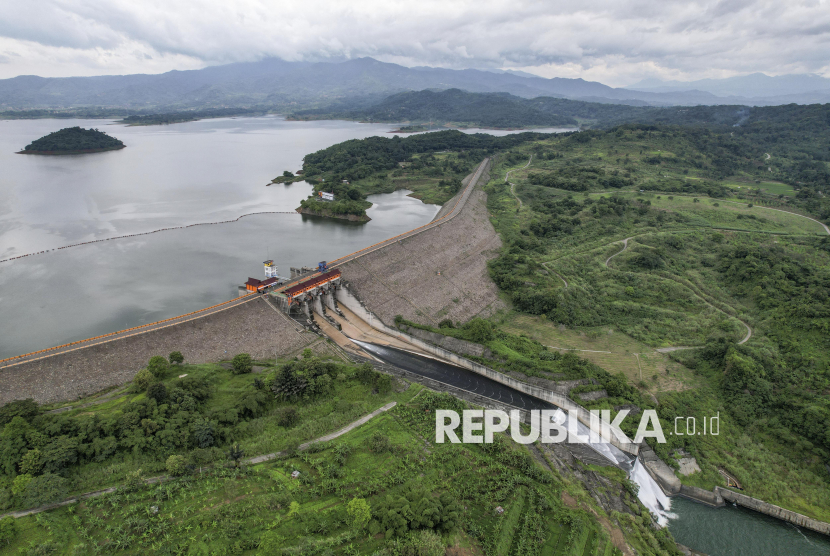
(431, 273)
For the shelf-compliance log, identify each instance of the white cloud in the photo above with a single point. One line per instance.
(616, 42)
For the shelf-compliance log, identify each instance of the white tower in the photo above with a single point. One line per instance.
(270, 269)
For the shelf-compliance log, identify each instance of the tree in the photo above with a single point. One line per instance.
(32, 462)
(158, 366)
(176, 465)
(203, 433)
(287, 174)
(235, 454)
(479, 330)
(242, 364)
(176, 358)
(20, 483)
(8, 530)
(26, 409)
(359, 512)
(142, 380)
(13, 444)
(158, 392)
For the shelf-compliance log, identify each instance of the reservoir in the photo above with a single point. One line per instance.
(168, 176)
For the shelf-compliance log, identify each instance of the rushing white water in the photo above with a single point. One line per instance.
(650, 494)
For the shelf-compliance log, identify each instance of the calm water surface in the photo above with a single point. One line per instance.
(736, 531)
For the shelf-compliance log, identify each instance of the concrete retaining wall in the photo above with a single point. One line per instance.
(345, 297)
(773, 510)
(701, 495)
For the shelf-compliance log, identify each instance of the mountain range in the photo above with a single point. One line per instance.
(291, 85)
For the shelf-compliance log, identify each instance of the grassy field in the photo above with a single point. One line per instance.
(608, 348)
(767, 187)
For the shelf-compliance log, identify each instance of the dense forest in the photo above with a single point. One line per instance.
(432, 164)
(74, 139)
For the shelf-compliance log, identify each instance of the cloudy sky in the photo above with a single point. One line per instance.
(616, 42)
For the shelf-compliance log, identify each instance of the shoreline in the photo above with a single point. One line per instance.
(80, 151)
(336, 216)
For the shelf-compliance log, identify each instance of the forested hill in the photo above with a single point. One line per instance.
(74, 139)
(495, 110)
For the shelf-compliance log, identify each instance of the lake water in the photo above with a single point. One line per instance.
(177, 175)
(736, 531)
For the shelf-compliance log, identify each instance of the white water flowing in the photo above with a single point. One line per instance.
(650, 494)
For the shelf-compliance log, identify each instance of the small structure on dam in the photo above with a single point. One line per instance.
(272, 279)
(305, 295)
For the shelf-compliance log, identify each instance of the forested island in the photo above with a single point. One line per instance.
(73, 140)
(178, 117)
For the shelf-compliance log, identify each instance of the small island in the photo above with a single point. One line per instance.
(73, 140)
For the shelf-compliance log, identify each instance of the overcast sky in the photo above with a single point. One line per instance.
(616, 42)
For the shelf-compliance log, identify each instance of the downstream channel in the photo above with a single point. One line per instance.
(727, 531)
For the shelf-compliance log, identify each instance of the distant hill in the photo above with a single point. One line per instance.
(290, 85)
(73, 140)
(809, 87)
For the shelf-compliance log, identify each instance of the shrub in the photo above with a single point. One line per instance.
(287, 417)
(158, 366)
(379, 443)
(133, 483)
(176, 358)
(242, 364)
(359, 512)
(44, 489)
(422, 543)
(142, 380)
(383, 384)
(176, 465)
(366, 374)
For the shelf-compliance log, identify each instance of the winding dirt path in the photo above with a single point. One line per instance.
(625, 246)
(699, 296)
(560, 276)
(513, 186)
